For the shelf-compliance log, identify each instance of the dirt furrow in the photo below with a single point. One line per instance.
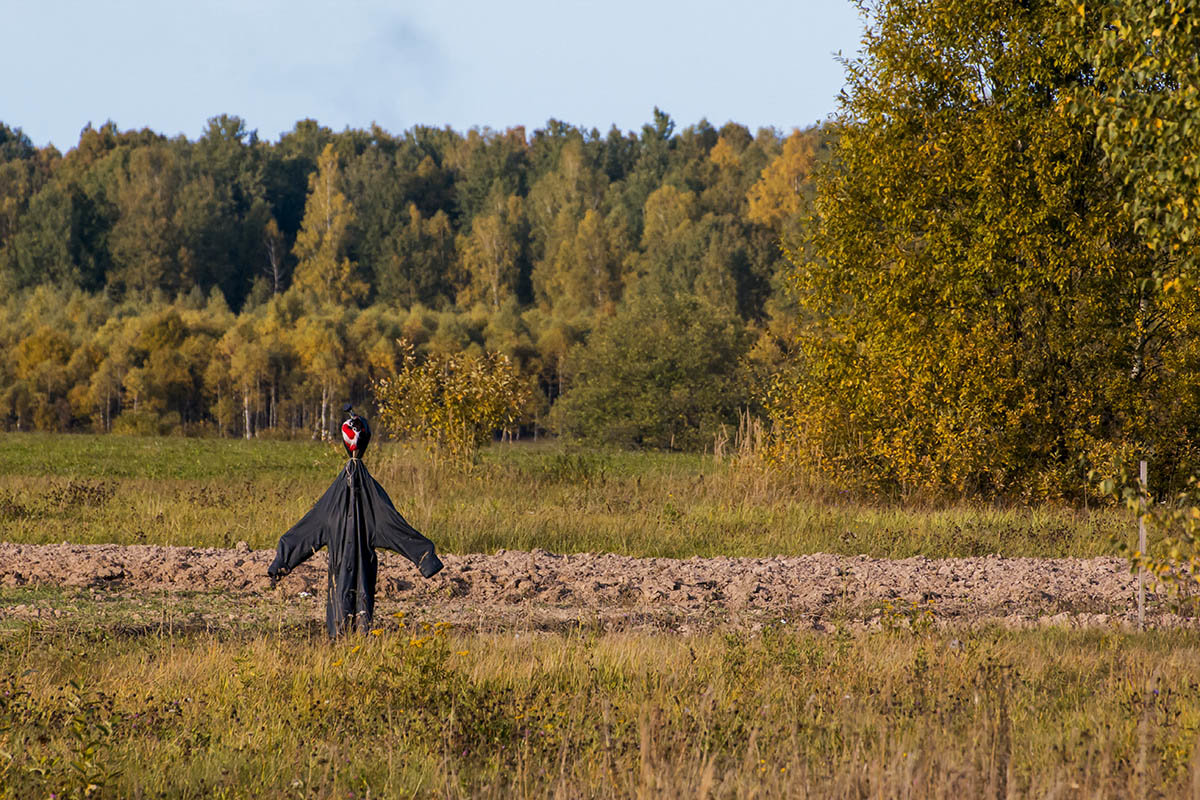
(541, 587)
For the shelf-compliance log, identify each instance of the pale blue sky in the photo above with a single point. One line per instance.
(171, 65)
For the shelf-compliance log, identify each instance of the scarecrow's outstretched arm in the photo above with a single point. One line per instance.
(393, 532)
(297, 545)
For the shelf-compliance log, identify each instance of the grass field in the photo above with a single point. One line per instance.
(108, 693)
(91, 489)
(420, 710)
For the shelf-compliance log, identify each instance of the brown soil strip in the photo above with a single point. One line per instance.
(541, 589)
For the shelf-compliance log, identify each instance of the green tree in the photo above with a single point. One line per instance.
(23, 171)
(972, 305)
(417, 261)
(49, 247)
(144, 239)
(491, 253)
(1144, 96)
(489, 164)
(682, 251)
(230, 155)
(665, 371)
(646, 162)
(576, 269)
(322, 265)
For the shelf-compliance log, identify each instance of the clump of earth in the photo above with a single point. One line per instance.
(538, 589)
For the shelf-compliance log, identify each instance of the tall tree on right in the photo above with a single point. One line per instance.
(972, 294)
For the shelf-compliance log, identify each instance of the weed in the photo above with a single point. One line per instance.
(909, 616)
(75, 493)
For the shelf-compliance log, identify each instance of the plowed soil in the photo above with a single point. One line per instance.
(531, 590)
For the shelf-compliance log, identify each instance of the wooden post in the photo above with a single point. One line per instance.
(1142, 548)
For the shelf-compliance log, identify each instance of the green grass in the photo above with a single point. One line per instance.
(182, 694)
(159, 458)
(206, 492)
(423, 711)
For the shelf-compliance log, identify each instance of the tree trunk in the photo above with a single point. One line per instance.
(276, 259)
(1139, 347)
(246, 411)
(324, 412)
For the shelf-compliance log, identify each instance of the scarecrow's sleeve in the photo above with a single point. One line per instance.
(305, 538)
(393, 532)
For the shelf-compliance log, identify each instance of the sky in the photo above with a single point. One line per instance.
(171, 64)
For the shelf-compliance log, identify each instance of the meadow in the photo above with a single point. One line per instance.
(110, 693)
(217, 492)
(423, 711)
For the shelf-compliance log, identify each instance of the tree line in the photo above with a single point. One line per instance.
(239, 286)
(979, 279)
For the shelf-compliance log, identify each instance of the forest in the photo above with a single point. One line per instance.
(978, 278)
(235, 286)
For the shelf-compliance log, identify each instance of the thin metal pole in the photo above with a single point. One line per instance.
(1142, 550)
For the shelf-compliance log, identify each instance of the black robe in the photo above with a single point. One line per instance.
(352, 518)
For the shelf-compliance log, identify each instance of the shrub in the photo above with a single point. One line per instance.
(663, 372)
(452, 402)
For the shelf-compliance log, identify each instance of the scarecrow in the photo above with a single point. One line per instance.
(352, 518)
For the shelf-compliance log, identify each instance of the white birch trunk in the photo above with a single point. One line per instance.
(246, 411)
(324, 412)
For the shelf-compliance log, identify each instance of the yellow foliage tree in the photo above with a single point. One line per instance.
(489, 254)
(453, 402)
(320, 342)
(242, 349)
(777, 199)
(323, 267)
(977, 315)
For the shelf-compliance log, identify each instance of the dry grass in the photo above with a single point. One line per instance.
(92, 489)
(126, 697)
(423, 711)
